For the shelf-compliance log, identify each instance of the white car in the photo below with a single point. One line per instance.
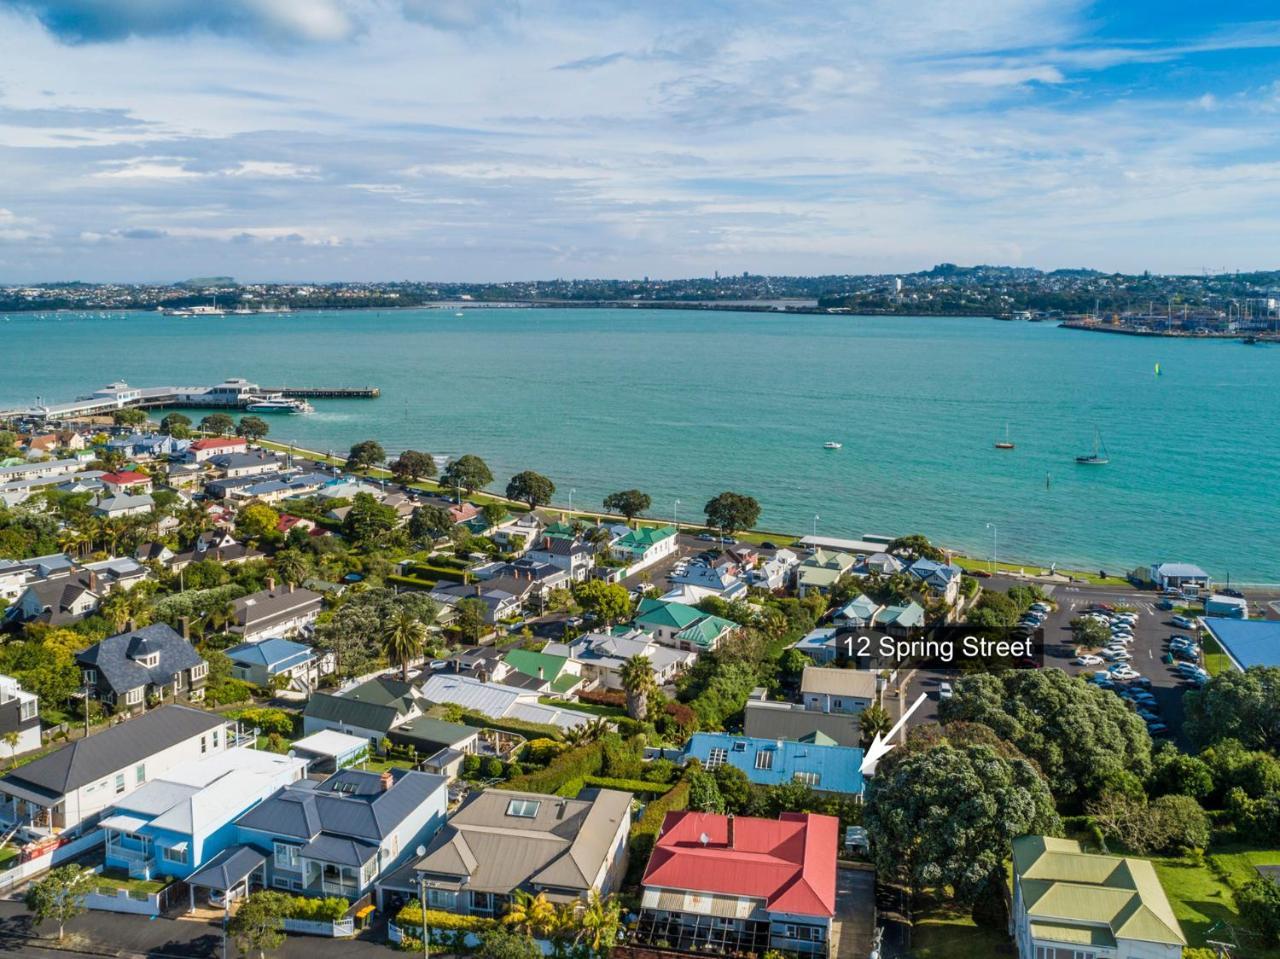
(1088, 659)
(945, 691)
(1125, 672)
(1116, 655)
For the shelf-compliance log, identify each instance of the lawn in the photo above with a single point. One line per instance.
(595, 709)
(8, 855)
(117, 879)
(1215, 660)
(1201, 896)
(381, 764)
(968, 563)
(943, 931)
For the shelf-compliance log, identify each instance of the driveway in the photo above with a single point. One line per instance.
(855, 919)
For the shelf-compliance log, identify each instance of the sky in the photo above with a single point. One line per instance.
(310, 140)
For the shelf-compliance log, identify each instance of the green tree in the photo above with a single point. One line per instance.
(411, 466)
(1259, 903)
(252, 428)
(256, 522)
(471, 614)
(532, 488)
(500, 943)
(291, 566)
(59, 895)
(915, 546)
(176, 425)
(734, 786)
(468, 472)
(1173, 772)
(872, 721)
(1089, 632)
(1237, 705)
(131, 416)
(368, 522)
(429, 523)
(258, 925)
(404, 640)
(704, 793)
(637, 680)
(365, 455)
(354, 631)
(533, 915)
(730, 512)
(1083, 738)
(493, 513)
(946, 816)
(630, 503)
(608, 602)
(219, 424)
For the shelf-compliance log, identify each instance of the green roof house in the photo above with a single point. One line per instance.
(900, 620)
(681, 626)
(644, 546)
(1068, 903)
(557, 675)
(821, 570)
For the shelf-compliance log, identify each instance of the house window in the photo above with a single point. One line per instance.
(764, 759)
(837, 704)
(177, 681)
(176, 854)
(442, 899)
(150, 661)
(524, 808)
(215, 739)
(809, 779)
(133, 696)
(716, 757)
(199, 671)
(287, 856)
(739, 747)
(119, 783)
(27, 710)
(91, 677)
(140, 773)
(204, 744)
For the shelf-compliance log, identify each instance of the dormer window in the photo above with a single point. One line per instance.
(149, 661)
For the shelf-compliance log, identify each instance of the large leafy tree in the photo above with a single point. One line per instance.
(60, 895)
(256, 522)
(354, 631)
(411, 466)
(1084, 739)
(630, 503)
(471, 614)
(468, 472)
(258, 925)
(946, 815)
(369, 523)
(1237, 705)
(429, 523)
(219, 424)
(730, 512)
(500, 943)
(252, 428)
(365, 455)
(532, 488)
(608, 602)
(915, 546)
(176, 425)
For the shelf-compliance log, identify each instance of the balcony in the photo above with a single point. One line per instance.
(139, 862)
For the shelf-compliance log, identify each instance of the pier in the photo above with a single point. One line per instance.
(232, 393)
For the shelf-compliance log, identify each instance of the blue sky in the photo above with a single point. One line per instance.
(502, 139)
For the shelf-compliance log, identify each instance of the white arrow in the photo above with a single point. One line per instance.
(881, 745)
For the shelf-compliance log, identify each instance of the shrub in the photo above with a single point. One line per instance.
(627, 785)
(604, 697)
(332, 909)
(270, 721)
(569, 766)
(411, 916)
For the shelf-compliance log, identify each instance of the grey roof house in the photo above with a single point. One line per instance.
(499, 842)
(275, 612)
(154, 662)
(386, 709)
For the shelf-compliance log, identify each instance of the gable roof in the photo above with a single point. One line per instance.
(538, 665)
(789, 864)
(860, 683)
(1069, 889)
(643, 538)
(655, 612)
(271, 653)
(116, 658)
(87, 760)
(258, 609)
(377, 704)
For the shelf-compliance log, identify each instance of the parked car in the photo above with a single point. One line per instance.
(1184, 622)
(945, 691)
(1164, 604)
(706, 537)
(1124, 671)
(437, 664)
(1157, 728)
(1235, 593)
(1088, 659)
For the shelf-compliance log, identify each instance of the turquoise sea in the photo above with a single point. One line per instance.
(684, 404)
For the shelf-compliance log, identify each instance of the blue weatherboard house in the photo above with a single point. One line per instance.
(173, 825)
(817, 762)
(261, 663)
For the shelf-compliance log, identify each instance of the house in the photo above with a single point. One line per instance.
(942, 579)
(337, 837)
(203, 450)
(498, 701)
(236, 465)
(900, 620)
(386, 709)
(765, 719)
(328, 751)
(1247, 642)
(545, 672)
(47, 470)
(837, 690)
(126, 481)
(275, 612)
(58, 600)
(717, 581)
(1187, 577)
(1070, 903)
(572, 555)
(822, 570)
(821, 765)
(532, 581)
(1231, 607)
(66, 791)
(19, 714)
(880, 564)
(517, 534)
(147, 446)
(499, 604)
(134, 668)
(682, 627)
(500, 843)
(601, 657)
(179, 821)
(823, 644)
(123, 504)
(860, 612)
(774, 573)
(280, 663)
(643, 546)
(737, 885)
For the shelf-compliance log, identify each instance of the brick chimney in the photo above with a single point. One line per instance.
(186, 628)
(729, 839)
(271, 584)
(386, 780)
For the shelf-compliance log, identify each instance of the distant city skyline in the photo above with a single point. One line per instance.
(493, 140)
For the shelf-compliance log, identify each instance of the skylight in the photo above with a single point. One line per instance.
(524, 808)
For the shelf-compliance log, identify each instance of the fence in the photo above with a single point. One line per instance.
(54, 856)
(310, 927)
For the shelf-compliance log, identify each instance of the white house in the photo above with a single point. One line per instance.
(640, 548)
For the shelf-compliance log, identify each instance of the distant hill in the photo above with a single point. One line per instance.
(204, 282)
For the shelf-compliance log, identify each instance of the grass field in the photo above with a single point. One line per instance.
(1200, 892)
(941, 931)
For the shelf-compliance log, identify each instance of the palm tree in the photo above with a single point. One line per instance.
(598, 921)
(587, 733)
(72, 541)
(532, 915)
(405, 637)
(11, 739)
(637, 680)
(873, 720)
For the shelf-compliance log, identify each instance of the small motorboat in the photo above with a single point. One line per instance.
(832, 445)
(1006, 443)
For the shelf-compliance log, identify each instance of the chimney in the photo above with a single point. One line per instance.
(186, 628)
(271, 584)
(291, 587)
(93, 581)
(729, 841)
(386, 780)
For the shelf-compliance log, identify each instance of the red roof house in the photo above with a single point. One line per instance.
(126, 479)
(741, 883)
(201, 450)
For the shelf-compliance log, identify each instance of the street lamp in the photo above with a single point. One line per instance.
(816, 517)
(675, 515)
(422, 901)
(995, 546)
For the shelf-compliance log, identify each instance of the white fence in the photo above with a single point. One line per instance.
(334, 930)
(20, 873)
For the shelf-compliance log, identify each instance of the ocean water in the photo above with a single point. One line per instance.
(685, 404)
